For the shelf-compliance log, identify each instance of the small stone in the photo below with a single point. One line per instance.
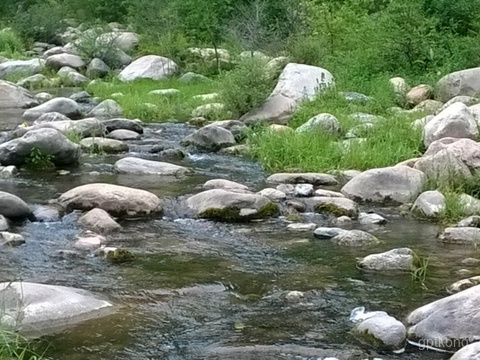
(294, 296)
(273, 194)
(371, 219)
(344, 220)
(11, 239)
(304, 190)
(301, 227)
(90, 241)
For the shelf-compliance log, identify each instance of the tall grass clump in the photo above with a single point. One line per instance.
(11, 44)
(15, 347)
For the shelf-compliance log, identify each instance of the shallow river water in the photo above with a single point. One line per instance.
(207, 290)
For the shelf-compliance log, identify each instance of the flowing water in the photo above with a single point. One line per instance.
(208, 290)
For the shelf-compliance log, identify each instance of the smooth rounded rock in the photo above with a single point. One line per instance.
(60, 105)
(99, 220)
(131, 165)
(393, 260)
(98, 144)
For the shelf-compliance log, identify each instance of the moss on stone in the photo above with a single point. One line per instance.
(333, 209)
(119, 256)
(233, 215)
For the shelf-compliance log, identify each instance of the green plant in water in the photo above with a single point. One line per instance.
(74, 136)
(419, 270)
(15, 347)
(38, 160)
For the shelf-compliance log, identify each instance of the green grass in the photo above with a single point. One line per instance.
(11, 45)
(390, 141)
(166, 108)
(15, 347)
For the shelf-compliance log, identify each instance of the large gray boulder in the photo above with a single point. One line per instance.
(398, 184)
(382, 331)
(114, 199)
(13, 207)
(123, 135)
(125, 41)
(82, 128)
(344, 237)
(48, 141)
(37, 309)
(430, 204)
(296, 83)
(464, 82)
(100, 221)
(131, 165)
(107, 109)
(125, 124)
(393, 260)
(61, 105)
(60, 60)
(448, 321)
(97, 69)
(468, 352)
(456, 121)
(21, 68)
(212, 138)
(99, 144)
(224, 205)
(14, 96)
(460, 235)
(465, 150)
(149, 67)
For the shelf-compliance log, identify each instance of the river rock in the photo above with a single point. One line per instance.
(43, 97)
(99, 220)
(325, 123)
(303, 190)
(371, 219)
(456, 121)
(64, 71)
(11, 239)
(468, 352)
(211, 138)
(296, 83)
(37, 309)
(471, 221)
(90, 241)
(51, 117)
(273, 194)
(148, 67)
(224, 184)
(460, 235)
(114, 199)
(97, 69)
(98, 144)
(13, 207)
(60, 60)
(396, 259)
(382, 331)
(448, 321)
(131, 165)
(125, 40)
(123, 135)
(299, 227)
(34, 81)
(47, 213)
(354, 238)
(418, 94)
(430, 204)
(336, 205)
(21, 68)
(14, 96)
(463, 284)
(82, 128)
(61, 105)
(464, 82)
(328, 193)
(3, 222)
(123, 124)
(398, 184)
(466, 150)
(430, 107)
(315, 179)
(224, 205)
(107, 109)
(326, 233)
(49, 141)
(470, 205)
(237, 128)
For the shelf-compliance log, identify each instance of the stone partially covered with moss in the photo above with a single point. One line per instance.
(336, 206)
(224, 205)
(118, 256)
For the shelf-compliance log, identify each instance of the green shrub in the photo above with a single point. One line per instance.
(11, 45)
(38, 160)
(245, 87)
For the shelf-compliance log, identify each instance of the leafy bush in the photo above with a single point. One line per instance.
(10, 43)
(38, 160)
(246, 87)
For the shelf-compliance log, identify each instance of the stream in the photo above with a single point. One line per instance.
(207, 290)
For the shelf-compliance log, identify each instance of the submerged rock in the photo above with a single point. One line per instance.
(396, 259)
(114, 199)
(371, 219)
(224, 184)
(226, 205)
(39, 309)
(12, 207)
(131, 165)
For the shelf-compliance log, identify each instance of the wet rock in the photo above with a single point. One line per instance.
(460, 235)
(210, 138)
(82, 128)
(328, 193)
(456, 121)
(396, 259)
(123, 124)
(335, 205)
(464, 82)
(382, 332)
(49, 141)
(14, 96)
(301, 227)
(107, 109)
(97, 69)
(303, 190)
(430, 204)
(354, 238)
(371, 219)
(96, 144)
(60, 60)
(47, 308)
(131, 165)
(448, 321)
(471, 221)
(237, 128)
(468, 352)
(47, 213)
(296, 83)
(273, 194)
(325, 123)
(224, 184)
(341, 220)
(399, 184)
(418, 94)
(296, 205)
(123, 135)
(12, 207)
(4, 223)
(463, 284)
(148, 67)
(61, 105)
(10, 239)
(99, 220)
(315, 179)
(21, 68)
(326, 233)
(8, 172)
(114, 199)
(51, 117)
(218, 204)
(172, 154)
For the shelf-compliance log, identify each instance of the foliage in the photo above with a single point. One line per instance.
(38, 160)
(419, 270)
(246, 87)
(15, 347)
(11, 45)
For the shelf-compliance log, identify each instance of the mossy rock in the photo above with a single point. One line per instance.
(234, 215)
(120, 256)
(334, 210)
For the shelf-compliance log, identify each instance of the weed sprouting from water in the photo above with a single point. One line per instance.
(419, 270)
